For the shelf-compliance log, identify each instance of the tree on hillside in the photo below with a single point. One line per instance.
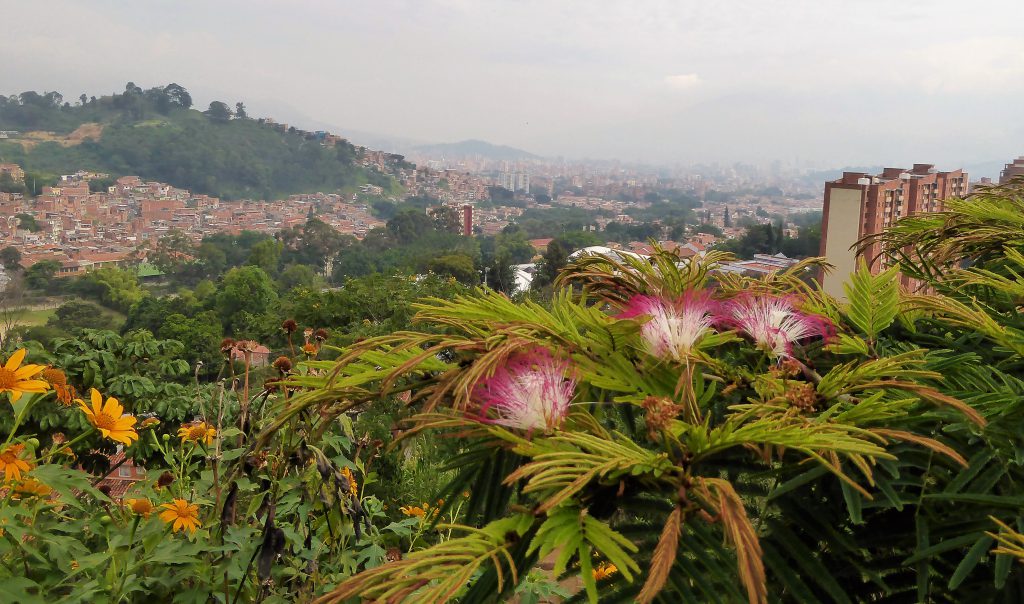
(218, 111)
(514, 246)
(171, 252)
(28, 222)
(315, 243)
(708, 228)
(78, 314)
(726, 220)
(240, 111)
(10, 185)
(10, 258)
(266, 255)
(114, 287)
(200, 335)
(409, 226)
(554, 259)
(297, 275)
(459, 266)
(41, 274)
(178, 95)
(245, 289)
(446, 219)
(159, 99)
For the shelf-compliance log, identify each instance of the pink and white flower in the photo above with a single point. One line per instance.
(530, 392)
(774, 323)
(675, 326)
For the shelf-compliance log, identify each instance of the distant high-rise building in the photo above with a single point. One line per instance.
(1016, 168)
(515, 181)
(859, 204)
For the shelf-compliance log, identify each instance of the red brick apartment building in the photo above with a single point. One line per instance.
(860, 204)
(1016, 168)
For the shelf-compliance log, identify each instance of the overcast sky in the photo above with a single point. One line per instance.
(836, 82)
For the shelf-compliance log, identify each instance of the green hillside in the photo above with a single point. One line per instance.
(156, 135)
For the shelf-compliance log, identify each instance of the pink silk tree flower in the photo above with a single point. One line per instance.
(529, 392)
(675, 326)
(774, 323)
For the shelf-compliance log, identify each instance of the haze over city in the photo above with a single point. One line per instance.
(823, 83)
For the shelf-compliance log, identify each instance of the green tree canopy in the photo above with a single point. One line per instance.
(246, 289)
(10, 258)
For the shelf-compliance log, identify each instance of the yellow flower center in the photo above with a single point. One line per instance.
(104, 421)
(141, 506)
(7, 378)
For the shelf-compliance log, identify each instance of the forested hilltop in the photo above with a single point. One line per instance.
(157, 135)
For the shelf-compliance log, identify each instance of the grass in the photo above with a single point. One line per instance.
(24, 316)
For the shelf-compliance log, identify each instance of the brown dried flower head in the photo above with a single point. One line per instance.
(802, 395)
(659, 414)
(164, 480)
(289, 326)
(283, 364)
(247, 346)
(54, 376)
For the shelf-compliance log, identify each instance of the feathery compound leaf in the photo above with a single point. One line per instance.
(664, 557)
(720, 497)
(874, 299)
(564, 465)
(573, 532)
(435, 574)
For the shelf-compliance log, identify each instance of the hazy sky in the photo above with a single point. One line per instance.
(836, 82)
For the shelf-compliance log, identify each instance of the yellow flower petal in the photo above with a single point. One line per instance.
(15, 359)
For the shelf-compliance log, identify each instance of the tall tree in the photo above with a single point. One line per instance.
(240, 111)
(10, 258)
(178, 95)
(555, 257)
(246, 289)
(218, 111)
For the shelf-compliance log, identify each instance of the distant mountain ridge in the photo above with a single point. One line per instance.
(474, 148)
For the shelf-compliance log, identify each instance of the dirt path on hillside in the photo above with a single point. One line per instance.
(87, 131)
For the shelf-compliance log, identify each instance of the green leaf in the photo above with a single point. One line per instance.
(873, 300)
(974, 555)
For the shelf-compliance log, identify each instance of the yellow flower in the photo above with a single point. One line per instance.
(30, 487)
(11, 463)
(110, 418)
(310, 350)
(149, 422)
(182, 514)
(353, 486)
(74, 565)
(197, 432)
(16, 379)
(142, 506)
(413, 510)
(604, 570)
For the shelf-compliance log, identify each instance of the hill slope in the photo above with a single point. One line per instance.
(156, 136)
(475, 148)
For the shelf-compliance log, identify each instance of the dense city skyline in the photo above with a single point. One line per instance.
(821, 84)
